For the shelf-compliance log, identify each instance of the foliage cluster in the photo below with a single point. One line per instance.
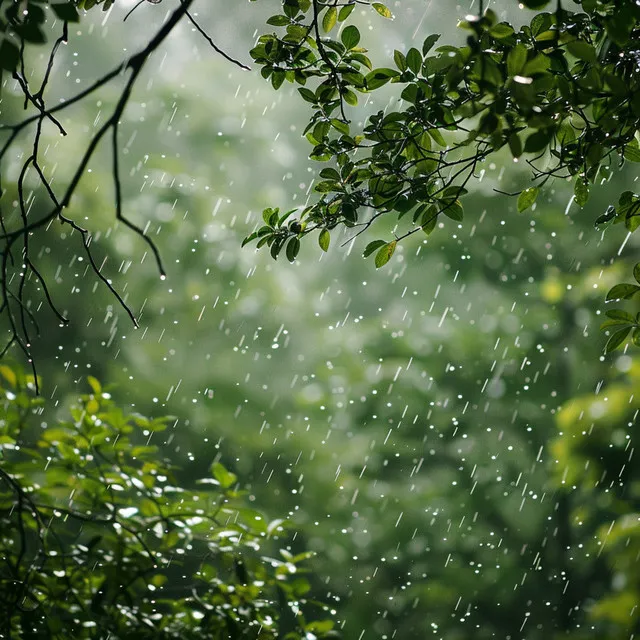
(561, 94)
(425, 458)
(562, 90)
(97, 534)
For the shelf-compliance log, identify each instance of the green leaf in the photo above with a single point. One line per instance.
(270, 216)
(277, 78)
(621, 315)
(8, 374)
(341, 126)
(345, 12)
(629, 209)
(540, 22)
(279, 21)
(636, 337)
(250, 238)
(285, 216)
(617, 318)
(428, 43)
(516, 59)
(223, 476)
(95, 385)
(350, 98)
(437, 136)
(632, 221)
(453, 210)
(454, 191)
(9, 55)
(537, 141)
(307, 95)
(566, 133)
(361, 58)
(400, 59)
(379, 77)
(515, 145)
(527, 198)
(326, 186)
(414, 60)
(608, 215)
(539, 64)
(636, 272)
(582, 50)
(329, 19)
(329, 173)
(384, 254)
(622, 291)
(632, 151)
(66, 11)
(350, 37)
(616, 340)
(292, 249)
(501, 31)
(581, 191)
(428, 218)
(607, 324)
(372, 246)
(276, 246)
(324, 239)
(319, 627)
(382, 10)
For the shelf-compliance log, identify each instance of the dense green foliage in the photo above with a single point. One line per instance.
(561, 93)
(98, 537)
(446, 434)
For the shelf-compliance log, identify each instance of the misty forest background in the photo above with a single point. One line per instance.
(444, 433)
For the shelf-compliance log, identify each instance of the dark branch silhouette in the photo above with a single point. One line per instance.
(16, 272)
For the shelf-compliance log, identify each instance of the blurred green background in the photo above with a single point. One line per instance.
(444, 433)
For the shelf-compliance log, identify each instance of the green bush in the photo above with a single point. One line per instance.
(99, 537)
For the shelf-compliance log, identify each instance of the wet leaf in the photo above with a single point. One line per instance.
(293, 247)
(622, 291)
(350, 36)
(223, 476)
(527, 198)
(581, 191)
(454, 211)
(329, 19)
(382, 10)
(384, 254)
(616, 340)
(372, 246)
(582, 50)
(324, 239)
(632, 151)
(9, 375)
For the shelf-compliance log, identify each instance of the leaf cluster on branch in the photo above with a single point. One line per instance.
(561, 95)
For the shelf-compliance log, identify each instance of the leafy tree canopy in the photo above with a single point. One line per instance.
(560, 94)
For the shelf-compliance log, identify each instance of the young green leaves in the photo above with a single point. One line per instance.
(526, 198)
(619, 321)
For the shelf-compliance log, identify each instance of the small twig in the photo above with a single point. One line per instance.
(135, 6)
(213, 45)
(118, 199)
